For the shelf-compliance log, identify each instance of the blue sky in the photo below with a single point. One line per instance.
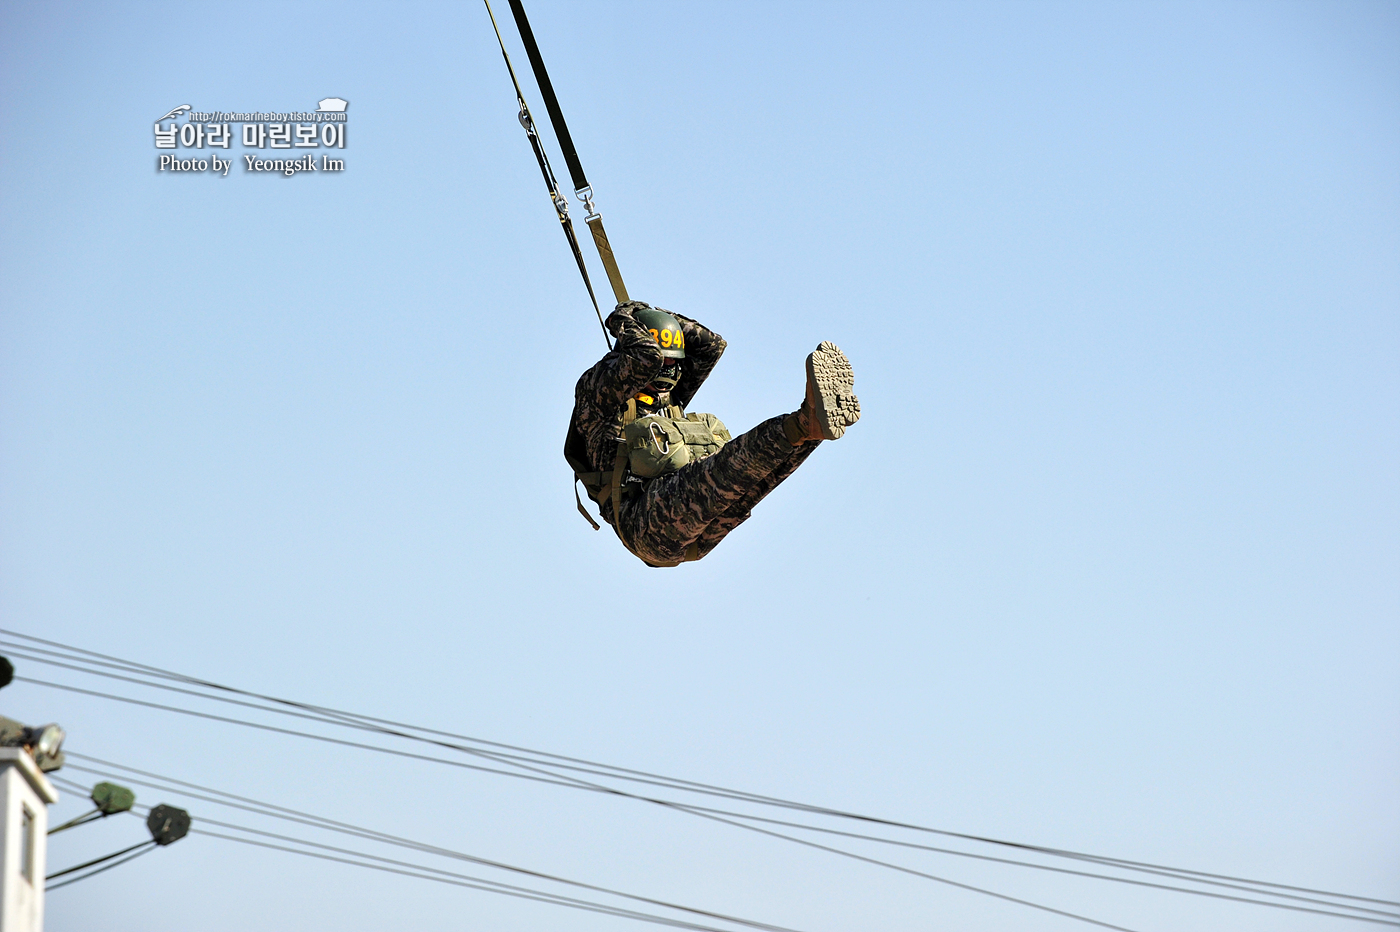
(1110, 563)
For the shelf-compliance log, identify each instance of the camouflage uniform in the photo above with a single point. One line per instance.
(701, 502)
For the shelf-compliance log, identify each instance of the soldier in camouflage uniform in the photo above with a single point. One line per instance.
(682, 515)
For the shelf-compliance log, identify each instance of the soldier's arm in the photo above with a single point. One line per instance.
(703, 348)
(634, 361)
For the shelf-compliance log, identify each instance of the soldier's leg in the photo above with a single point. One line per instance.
(828, 409)
(676, 509)
(704, 501)
(742, 509)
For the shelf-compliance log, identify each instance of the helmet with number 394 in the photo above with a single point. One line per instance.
(665, 330)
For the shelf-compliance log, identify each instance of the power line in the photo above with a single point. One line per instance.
(539, 774)
(146, 847)
(564, 780)
(442, 876)
(712, 817)
(286, 731)
(1045, 867)
(326, 823)
(539, 897)
(356, 720)
(321, 822)
(711, 813)
(496, 886)
(105, 857)
(907, 870)
(83, 819)
(292, 815)
(186, 788)
(512, 760)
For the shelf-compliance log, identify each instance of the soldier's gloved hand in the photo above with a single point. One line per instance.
(621, 316)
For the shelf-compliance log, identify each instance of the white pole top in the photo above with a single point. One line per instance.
(35, 777)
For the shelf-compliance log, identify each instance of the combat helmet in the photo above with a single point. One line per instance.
(665, 329)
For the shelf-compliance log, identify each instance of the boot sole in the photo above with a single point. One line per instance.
(837, 407)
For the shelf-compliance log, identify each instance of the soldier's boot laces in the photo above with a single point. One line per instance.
(830, 406)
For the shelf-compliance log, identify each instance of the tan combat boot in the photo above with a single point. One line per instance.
(830, 406)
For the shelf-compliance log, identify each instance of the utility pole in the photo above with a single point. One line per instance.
(25, 797)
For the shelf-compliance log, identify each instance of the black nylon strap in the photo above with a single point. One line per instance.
(551, 103)
(561, 205)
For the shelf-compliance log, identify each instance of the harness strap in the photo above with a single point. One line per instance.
(619, 471)
(620, 468)
(582, 189)
(561, 205)
(612, 490)
(579, 502)
(690, 555)
(611, 485)
(600, 239)
(551, 103)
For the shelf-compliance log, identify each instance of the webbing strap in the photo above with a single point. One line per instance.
(689, 555)
(612, 489)
(561, 204)
(566, 143)
(600, 239)
(692, 550)
(551, 103)
(619, 472)
(581, 510)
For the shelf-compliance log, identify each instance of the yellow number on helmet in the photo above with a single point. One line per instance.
(666, 338)
(655, 336)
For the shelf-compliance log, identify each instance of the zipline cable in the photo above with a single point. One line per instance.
(561, 204)
(348, 719)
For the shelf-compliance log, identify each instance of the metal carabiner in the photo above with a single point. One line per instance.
(585, 194)
(651, 429)
(560, 205)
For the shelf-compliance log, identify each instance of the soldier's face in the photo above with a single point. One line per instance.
(669, 375)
